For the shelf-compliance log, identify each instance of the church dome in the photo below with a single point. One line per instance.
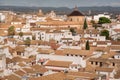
(76, 13)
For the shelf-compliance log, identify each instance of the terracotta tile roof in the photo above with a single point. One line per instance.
(104, 60)
(95, 48)
(104, 69)
(89, 68)
(67, 76)
(101, 43)
(30, 59)
(3, 32)
(117, 30)
(58, 63)
(17, 59)
(91, 31)
(39, 29)
(80, 31)
(115, 42)
(55, 76)
(59, 23)
(82, 75)
(39, 42)
(32, 24)
(8, 60)
(59, 52)
(24, 33)
(74, 52)
(4, 25)
(19, 49)
(88, 38)
(108, 55)
(45, 51)
(98, 59)
(115, 47)
(29, 70)
(78, 52)
(38, 68)
(20, 73)
(21, 64)
(21, 43)
(11, 77)
(17, 25)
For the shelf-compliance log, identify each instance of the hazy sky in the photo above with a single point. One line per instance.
(60, 3)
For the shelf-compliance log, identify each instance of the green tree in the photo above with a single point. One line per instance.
(103, 20)
(94, 24)
(92, 21)
(11, 31)
(72, 30)
(85, 26)
(21, 34)
(105, 33)
(27, 41)
(87, 45)
(33, 37)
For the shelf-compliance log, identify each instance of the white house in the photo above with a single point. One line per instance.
(96, 17)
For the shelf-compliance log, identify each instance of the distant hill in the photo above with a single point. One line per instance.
(63, 10)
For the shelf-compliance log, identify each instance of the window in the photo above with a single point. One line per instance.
(96, 63)
(42, 33)
(113, 64)
(91, 62)
(75, 67)
(67, 54)
(68, 33)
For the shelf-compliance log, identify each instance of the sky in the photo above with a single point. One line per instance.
(60, 3)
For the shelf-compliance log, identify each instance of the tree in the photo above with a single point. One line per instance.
(94, 24)
(105, 33)
(103, 20)
(27, 41)
(92, 21)
(72, 30)
(11, 31)
(85, 26)
(33, 37)
(21, 34)
(87, 45)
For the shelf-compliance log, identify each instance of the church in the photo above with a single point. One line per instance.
(76, 16)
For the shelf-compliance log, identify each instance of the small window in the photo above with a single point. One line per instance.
(96, 63)
(68, 33)
(75, 67)
(92, 62)
(113, 64)
(67, 54)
